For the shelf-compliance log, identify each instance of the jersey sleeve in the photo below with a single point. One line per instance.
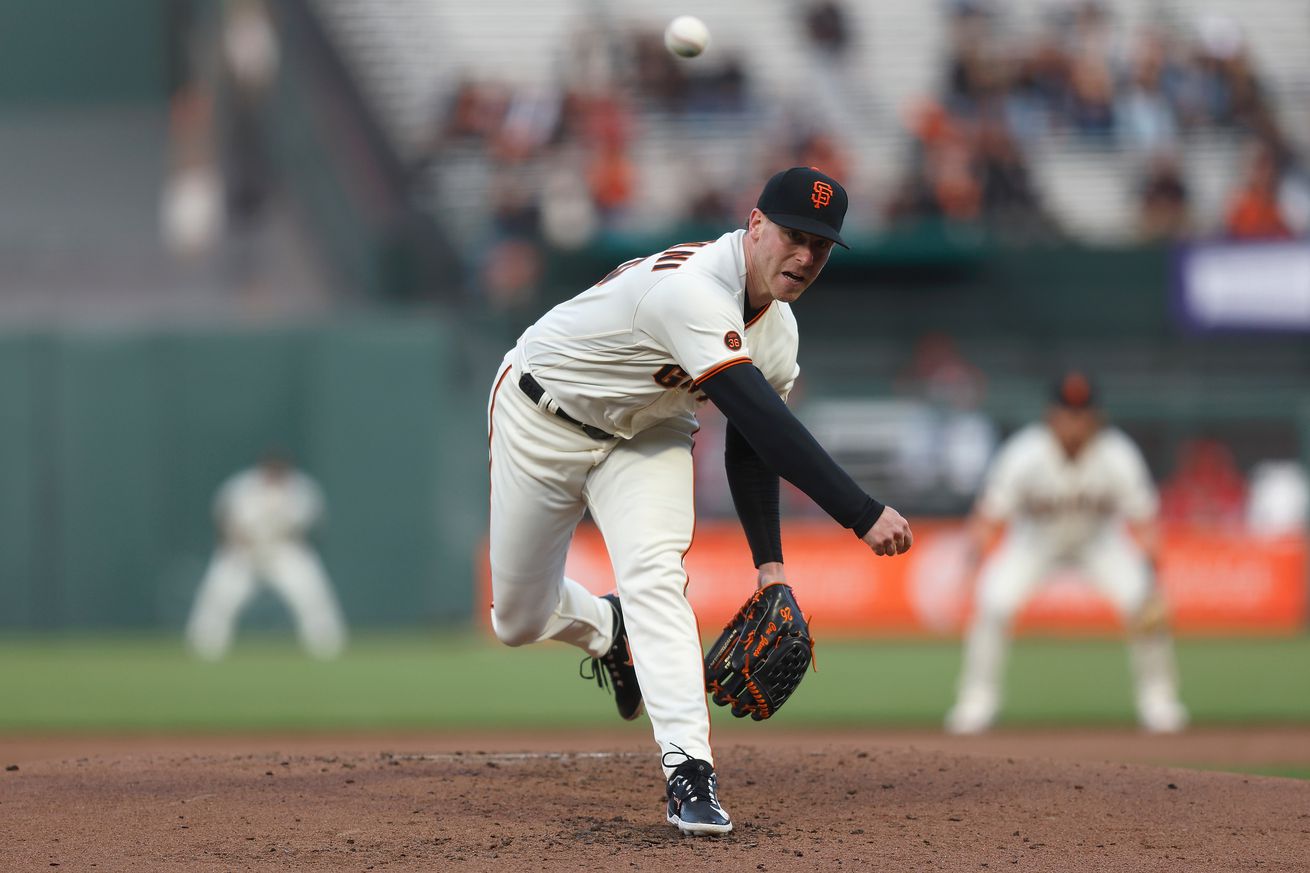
(1137, 495)
(697, 322)
(1002, 486)
(224, 499)
(308, 503)
(784, 389)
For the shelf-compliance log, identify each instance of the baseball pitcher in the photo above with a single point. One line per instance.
(594, 409)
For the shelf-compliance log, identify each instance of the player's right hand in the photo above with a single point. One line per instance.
(890, 535)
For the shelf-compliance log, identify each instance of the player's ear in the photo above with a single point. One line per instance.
(755, 224)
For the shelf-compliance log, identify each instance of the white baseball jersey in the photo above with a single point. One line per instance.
(628, 352)
(257, 509)
(1060, 504)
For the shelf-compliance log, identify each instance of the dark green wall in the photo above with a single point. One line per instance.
(112, 445)
(63, 52)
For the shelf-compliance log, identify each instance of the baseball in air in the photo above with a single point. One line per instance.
(686, 36)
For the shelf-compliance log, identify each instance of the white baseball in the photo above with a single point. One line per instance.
(686, 36)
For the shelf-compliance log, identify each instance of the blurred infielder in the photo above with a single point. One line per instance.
(595, 409)
(1071, 493)
(263, 515)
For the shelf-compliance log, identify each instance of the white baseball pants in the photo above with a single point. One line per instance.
(1007, 579)
(545, 472)
(292, 571)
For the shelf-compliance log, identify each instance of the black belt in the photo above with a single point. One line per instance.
(533, 389)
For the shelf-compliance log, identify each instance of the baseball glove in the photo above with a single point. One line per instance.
(762, 654)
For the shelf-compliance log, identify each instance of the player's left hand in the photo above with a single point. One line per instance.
(761, 656)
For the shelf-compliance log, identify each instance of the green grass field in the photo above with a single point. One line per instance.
(446, 680)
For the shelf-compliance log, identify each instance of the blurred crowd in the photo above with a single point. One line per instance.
(561, 153)
(1075, 80)
(1080, 81)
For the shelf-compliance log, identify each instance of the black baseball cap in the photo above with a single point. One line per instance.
(802, 198)
(1074, 390)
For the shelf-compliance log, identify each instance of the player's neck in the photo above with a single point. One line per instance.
(757, 290)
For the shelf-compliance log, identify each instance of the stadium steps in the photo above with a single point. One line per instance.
(80, 235)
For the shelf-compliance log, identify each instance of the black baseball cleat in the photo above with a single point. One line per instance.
(614, 668)
(694, 798)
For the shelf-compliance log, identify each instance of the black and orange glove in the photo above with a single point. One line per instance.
(762, 654)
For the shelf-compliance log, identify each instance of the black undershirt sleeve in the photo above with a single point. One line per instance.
(751, 405)
(754, 488)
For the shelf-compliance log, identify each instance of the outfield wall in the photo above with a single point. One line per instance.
(113, 443)
(1214, 585)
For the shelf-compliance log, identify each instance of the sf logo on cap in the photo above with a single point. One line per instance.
(822, 195)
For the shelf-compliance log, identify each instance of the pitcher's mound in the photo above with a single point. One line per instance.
(797, 806)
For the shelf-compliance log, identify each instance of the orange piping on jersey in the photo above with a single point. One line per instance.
(759, 314)
(720, 367)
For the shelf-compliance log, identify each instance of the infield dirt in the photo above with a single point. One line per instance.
(870, 801)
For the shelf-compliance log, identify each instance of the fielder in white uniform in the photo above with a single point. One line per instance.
(263, 515)
(594, 410)
(1070, 492)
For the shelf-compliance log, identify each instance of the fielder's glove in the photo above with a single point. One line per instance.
(762, 654)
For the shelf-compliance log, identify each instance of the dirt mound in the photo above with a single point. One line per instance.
(855, 804)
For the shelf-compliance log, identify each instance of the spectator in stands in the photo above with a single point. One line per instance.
(611, 178)
(1254, 211)
(606, 134)
(710, 206)
(1232, 93)
(719, 87)
(828, 27)
(954, 183)
(1091, 77)
(959, 437)
(1163, 197)
(970, 170)
(976, 72)
(656, 75)
(821, 150)
(941, 182)
(250, 64)
(513, 260)
(1147, 118)
(475, 112)
(1009, 202)
(1035, 100)
(191, 205)
(1205, 487)
(531, 121)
